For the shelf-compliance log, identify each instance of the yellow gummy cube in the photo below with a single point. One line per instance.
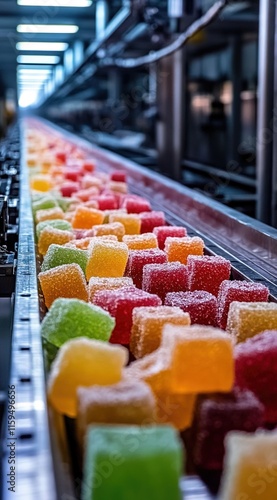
(131, 222)
(50, 235)
(49, 214)
(250, 468)
(83, 362)
(141, 241)
(107, 259)
(41, 183)
(107, 213)
(67, 281)
(96, 284)
(246, 319)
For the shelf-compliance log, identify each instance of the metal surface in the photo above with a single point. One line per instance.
(265, 110)
(34, 467)
(274, 177)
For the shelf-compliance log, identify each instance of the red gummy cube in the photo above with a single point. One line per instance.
(216, 416)
(73, 174)
(118, 176)
(89, 165)
(106, 202)
(256, 370)
(149, 220)
(240, 291)
(163, 232)
(120, 304)
(69, 188)
(139, 258)
(207, 273)
(61, 157)
(136, 206)
(161, 279)
(201, 306)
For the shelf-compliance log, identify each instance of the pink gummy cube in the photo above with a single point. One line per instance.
(201, 306)
(161, 279)
(118, 176)
(68, 188)
(136, 206)
(139, 258)
(207, 273)
(106, 202)
(120, 304)
(149, 220)
(73, 174)
(256, 370)
(239, 291)
(163, 232)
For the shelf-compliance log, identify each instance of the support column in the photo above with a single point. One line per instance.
(274, 128)
(170, 115)
(236, 102)
(265, 111)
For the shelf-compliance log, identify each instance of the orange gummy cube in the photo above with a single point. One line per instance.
(178, 249)
(175, 409)
(131, 222)
(49, 214)
(117, 229)
(107, 259)
(148, 323)
(86, 218)
(247, 319)
(66, 281)
(96, 284)
(141, 241)
(51, 235)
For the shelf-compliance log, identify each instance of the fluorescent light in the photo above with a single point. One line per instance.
(55, 3)
(38, 59)
(47, 28)
(33, 72)
(28, 98)
(42, 46)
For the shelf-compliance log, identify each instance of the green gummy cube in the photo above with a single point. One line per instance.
(58, 255)
(64, 202)
(64, 225)
(44, 203)
(132, 463)
(71, 318)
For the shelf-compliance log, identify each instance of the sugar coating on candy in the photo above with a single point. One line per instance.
(150, 220)
(256, 370)
(139, 258)
(148, 323)
(120, 304)
(163, 232)
(118, 187)
(128, 402)
(44, 203)
(219, 414)
(175, 409)
(83, 362)
(250, 466)
(107, 259)
(86, 218)
(141, 241)
(108, 213)
(178, 249)
(57, 255)
(162, 279)
(207, 273)
(71, 318)
(201, 306)
(56, 223)
(239, 291)
(247, 319)
(68, 188)
(153, 453)
(64, 202)
(67, 281)
(190, 360)
(50, 235)
(131, 222)
(136, 206)
(82, 244)
(97, 284)
(117, 229)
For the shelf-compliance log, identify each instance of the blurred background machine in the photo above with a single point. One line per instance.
(203, 115)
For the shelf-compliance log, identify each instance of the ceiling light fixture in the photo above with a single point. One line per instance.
(55, 3)
(38, 59)
(47, 28)
(42, 46)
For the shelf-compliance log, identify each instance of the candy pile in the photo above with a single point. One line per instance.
(120, 284)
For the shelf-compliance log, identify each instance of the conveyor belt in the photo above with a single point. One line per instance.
(43, 458)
